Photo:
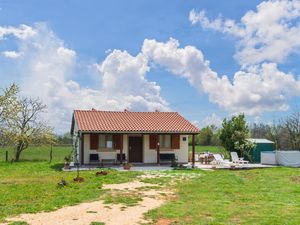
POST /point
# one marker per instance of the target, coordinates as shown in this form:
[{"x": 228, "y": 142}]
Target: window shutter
[
  {"x": 117, "y": 141},
  {"x": 153, "y": 138},
  {"x": 94, "y": 141},
  {"x": 175, "y": 141}
]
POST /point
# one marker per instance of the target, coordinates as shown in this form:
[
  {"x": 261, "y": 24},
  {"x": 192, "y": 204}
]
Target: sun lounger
[
  {"x": 236, "y": 159},
  {"x": 220, "y": 161}
]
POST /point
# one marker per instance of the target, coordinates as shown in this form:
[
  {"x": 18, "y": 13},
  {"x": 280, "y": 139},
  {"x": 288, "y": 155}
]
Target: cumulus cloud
[
  {"x": 48, "y": 66},
  {"x": 12, "y": 54},
  {"x": 124, "y": 75},
  {"x": 214, "y": 119},
  {"x": 268, "y": 34},
  {"x": 47, "y": 70},
  {"x": 252, "y": 91},
  {"x": 21, "y": 32}
]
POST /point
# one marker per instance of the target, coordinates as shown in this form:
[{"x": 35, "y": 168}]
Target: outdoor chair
[
  {"x": 94, "y": 159},
  {"x": 236, "y": 159},
  {"x": 220, "y": 161},
  {"x": 119, "y": 157}
]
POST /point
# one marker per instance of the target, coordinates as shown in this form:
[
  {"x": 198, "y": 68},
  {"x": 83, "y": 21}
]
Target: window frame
[
  {"x": 162, "y": 141},
  {"x": 106, "y": 139}
]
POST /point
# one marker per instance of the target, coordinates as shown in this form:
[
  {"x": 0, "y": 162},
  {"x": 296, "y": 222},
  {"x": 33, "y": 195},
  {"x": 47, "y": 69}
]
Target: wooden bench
[
  {"x": 167, "y": 157},
  {"x": 108, "y": 161}
]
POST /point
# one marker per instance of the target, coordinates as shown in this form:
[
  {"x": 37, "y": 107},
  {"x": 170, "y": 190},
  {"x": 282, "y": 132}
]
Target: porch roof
[{"x": 131, "y": 122}]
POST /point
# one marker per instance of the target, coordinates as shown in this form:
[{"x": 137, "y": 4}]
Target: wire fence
[{"x": 49, "y": 153}]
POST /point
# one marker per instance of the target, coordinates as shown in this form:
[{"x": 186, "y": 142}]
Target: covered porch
[{"x": 110, "y": 149}]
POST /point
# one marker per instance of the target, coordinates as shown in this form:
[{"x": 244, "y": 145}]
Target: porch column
[
  {"x": 121, "y": 149},
  {"x": 193, "y": 151},
  {"x": 82, "y": 150},
  {"x": 158, "y": 149}
]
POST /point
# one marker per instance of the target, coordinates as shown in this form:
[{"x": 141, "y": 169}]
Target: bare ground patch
[{"x": 116, "y": 212}]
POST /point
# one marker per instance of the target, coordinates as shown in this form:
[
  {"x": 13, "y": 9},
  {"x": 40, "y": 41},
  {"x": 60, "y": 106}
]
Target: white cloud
[
  {"x": 252, "y": 91},
  {"x": 213, "y": 119},
  {"x": 123, "y": 77},
  {"x": 21, "y": 32},
  {"x": 12, "y": 54},
  {"x": 196, "y": 123},
  {"x": 268, "y": 34},
  {"x": 47, "y": 70}
]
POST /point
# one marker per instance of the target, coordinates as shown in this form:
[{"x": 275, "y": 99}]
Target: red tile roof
[{"x": 140, "y": 122}]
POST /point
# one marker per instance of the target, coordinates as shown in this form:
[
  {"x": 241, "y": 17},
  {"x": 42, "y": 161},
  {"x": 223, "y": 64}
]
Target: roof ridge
[{"x": 95, "y": 110}]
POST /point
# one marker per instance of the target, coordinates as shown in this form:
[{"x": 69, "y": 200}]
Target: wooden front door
[{"x": 135, "y": 149}]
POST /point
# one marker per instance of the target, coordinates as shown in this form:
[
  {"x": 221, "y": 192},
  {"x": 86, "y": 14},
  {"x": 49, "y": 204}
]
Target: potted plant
[
  {"x": 67, "y": 162},
  {"x": 174, "y": 163},
  {"x": 127, "y": 166}
]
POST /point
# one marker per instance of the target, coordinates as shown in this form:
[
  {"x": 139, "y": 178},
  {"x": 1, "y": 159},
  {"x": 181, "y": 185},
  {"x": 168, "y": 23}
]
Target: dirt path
[{"x": 97, "y": 211}]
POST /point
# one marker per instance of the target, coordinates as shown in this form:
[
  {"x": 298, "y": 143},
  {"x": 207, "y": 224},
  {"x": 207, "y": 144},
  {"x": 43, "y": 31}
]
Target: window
[
  {"x": 101, "y": 141},
  {"x": 105, "y": 141},
  {"x": 109, "y": 141},
  {"x": 165, "y": 141}
]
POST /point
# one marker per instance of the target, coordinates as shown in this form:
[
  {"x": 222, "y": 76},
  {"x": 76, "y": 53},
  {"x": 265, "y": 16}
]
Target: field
[
  {"x": 38, "y": 153},
  {"x": 261, "y": 196},
  {"x": 213, "y": 149}
]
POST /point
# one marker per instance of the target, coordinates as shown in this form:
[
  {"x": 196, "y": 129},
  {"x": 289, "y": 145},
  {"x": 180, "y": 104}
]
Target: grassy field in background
[
  {"x": 38, "y": 153},
  {"x": 213, "y": 149}
]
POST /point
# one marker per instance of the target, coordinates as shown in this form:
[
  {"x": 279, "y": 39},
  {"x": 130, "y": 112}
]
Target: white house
[{"x": 139, "y": 137}]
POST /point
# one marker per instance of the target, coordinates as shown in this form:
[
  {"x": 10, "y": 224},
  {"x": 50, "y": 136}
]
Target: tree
[
  {"x": 205, "y": 136},
  {"x": 259, "y": 130},
  {"x": 292, "y": 125},
  {"x": 8, "y": 109},
  {"x": 27, "y": 127},
  {"x": 234, "y": 134},
  {"x": 65, "y": 139}
]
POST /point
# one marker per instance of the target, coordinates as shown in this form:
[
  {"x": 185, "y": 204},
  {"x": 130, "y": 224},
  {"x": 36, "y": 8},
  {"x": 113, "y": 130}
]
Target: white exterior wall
[
  {"x": 149, "y": 155},
  {"x": 104, "y": 154},
  {"x": 182, "y": 154}
]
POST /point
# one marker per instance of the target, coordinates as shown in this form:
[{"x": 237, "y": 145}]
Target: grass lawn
[
  {"x": 261, "y": 196},
  {"x": 31, "y": 185}
]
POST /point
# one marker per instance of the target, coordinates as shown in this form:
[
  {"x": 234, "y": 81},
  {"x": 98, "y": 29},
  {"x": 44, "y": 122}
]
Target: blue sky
[{"x": 101, "y": 46}]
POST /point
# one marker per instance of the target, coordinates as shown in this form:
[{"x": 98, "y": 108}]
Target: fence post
[
  {"x": 50, "y": 154},
  {"x": 6, "y": 156}
]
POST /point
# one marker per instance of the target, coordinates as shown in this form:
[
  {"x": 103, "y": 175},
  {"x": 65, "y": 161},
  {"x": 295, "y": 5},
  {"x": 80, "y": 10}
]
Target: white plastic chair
[
  {"x": 235, "y": 159},
  {"x": 219, "y": 159}
]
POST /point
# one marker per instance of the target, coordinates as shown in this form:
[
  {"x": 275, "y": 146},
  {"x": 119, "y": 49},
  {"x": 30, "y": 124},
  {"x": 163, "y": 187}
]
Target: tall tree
[
  {"x": 205, "y": 136},
  {"x": 28, "y": 127},
  {"x": 21, "y": 122},
  {"x": 234, "y": 134},
  {"x": 292, "y": 125},
  {"x": 8, "y": 109}
]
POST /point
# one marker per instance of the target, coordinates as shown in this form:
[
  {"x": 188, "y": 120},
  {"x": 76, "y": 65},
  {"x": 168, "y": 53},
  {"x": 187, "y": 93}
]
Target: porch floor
[
  {"x": 224, "y": 166},
  {"x": 135, "y": 167},
  {"x": 164, "y": 167}
]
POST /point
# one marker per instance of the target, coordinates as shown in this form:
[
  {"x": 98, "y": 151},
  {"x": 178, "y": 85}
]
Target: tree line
[{"x": 285, "y": 132}]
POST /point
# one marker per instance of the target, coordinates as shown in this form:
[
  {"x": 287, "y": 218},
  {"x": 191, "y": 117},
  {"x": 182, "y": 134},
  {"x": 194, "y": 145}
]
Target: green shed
[{"x": 262, "y": 145}]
